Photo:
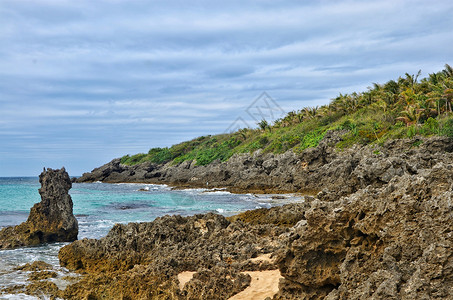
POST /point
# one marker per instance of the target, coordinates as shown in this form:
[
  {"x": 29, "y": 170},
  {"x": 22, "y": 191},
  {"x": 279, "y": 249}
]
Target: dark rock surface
[
  {"x": 392, "y": 241},
  {"x": 323, "y": 168},
  {"x": 50, "y": 220},
  {"x": 380, "y": 228}
]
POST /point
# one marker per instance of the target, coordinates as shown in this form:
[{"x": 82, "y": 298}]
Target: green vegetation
[{"x": 402, "y": 108}]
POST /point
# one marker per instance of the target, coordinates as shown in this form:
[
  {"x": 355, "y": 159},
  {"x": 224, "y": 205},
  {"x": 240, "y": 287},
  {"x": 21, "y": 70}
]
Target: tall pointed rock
[{"x": 51, "y": 220}]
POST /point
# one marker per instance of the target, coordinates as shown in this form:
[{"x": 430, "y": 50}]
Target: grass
[{"x": 404, "y": 108}]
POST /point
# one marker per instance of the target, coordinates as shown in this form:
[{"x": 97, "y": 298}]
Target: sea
[{"x": 98, "y": 206}]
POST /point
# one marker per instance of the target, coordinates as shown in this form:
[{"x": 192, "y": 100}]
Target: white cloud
[{"x": 118, "y": 75}]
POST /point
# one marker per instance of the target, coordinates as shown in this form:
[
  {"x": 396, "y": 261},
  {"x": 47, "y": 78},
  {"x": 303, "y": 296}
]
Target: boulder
[
  {"x": 50, "y": 220},
  {"x": 389, "y": 242}
]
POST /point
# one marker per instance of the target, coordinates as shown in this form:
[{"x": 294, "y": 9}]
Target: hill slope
[{"x": 401, "y": 108}]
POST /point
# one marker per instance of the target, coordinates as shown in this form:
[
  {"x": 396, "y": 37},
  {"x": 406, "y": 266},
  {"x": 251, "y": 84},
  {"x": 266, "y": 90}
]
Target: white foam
[
  {"x": 217, "y": 192},
  {"x": 18, "y": 296}
]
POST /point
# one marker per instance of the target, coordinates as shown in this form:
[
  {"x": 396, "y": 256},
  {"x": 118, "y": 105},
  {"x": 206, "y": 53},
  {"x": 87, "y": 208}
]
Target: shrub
[
  {"x": 312, "y": 139},
  {"x": 430, "y": 127},
  {"x": 447, "y": 128}
]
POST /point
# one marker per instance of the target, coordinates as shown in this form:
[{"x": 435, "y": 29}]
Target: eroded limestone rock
[
  {"x": 156, "y": 252},
  {"x": 389, "y": 242},
  {"x": 50, "y": 220}
]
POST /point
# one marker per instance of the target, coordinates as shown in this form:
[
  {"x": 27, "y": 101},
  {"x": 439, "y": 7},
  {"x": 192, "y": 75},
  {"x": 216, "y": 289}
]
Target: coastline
[
  {"x": 379, "y": 227},
  {"x": 325, "y": 171},
  {"x": 387, "y": 241}
]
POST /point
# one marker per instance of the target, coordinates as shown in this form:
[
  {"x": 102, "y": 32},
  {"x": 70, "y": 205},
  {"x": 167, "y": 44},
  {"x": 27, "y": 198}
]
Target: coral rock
[{"x": 50, "y": 220}]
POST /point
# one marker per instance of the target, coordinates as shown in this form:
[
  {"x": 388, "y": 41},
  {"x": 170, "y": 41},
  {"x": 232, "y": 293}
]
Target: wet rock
[
  {"x": 15, "y": 289},
  {"x": 38, "y": 265},
  {"x": 41, "y": 288},
  {"x": 41, "y": 275},
  {"x": 50, "y": 220}
]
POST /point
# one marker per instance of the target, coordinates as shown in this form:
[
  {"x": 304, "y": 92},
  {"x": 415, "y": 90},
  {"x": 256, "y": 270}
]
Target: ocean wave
[{"x": 217, "y": 192}]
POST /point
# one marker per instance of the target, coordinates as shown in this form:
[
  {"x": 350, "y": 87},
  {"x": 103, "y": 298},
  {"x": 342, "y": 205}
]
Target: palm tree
[
  {"x": 263, "y": 124},
  {"x": 410, "y": 116},
  {"x": 324, "y": 111},
  {"x": 411, "y": 80},
  {"x": 392, "y": 87},
  {"x": 380, "y": 105},
  {"x": 310, "y": 112},
  {"x": 448, "y": 71},
  {"x": 448, "y": 96}
]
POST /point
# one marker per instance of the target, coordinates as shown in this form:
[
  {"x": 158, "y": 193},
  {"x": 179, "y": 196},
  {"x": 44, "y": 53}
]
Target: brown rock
[
  {"x": 38, "y": 265},
  {"x": 390, "y": 242},
  {"x": 323, "y": 168},
  {"x": 50, "y": 220},
  {"x": 40, "y": 288},
  {"x": 40, "y": 275},
  {"x": 155, "y": 252}
]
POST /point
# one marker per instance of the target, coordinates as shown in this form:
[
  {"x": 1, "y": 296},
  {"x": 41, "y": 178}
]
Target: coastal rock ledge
[
  {"x": 392, "y": 241},
  {"x": 50, "y": 220}
]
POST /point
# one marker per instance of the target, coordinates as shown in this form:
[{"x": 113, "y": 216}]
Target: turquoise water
[{"x": 98, "y": 206}]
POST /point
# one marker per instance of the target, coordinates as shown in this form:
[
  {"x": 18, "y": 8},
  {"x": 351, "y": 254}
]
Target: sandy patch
[
  {"x": 264, "y": 284},
  {"x": 184, "y": 277},
  {"x": 264, "y": 257}
]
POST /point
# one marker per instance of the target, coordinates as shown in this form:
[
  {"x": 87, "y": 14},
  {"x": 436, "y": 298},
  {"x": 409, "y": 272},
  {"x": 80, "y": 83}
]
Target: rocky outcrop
[
  {"x": 38, "y": 286},
  {"x": 323, "y": 168},
  {"x": 389, "y": 242},
  {"x": 379, "y": 227},
  {"x": 50, "y": 220},
  {"x": 155, "y": 252},
  {"x": 390, "y": 239}
]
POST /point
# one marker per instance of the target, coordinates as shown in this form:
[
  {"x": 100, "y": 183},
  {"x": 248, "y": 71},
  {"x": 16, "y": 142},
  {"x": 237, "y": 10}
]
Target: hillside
[{"x": 401, "y": 108}]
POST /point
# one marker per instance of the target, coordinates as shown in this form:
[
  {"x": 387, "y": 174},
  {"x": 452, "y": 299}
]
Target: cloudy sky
[{"x": 83, "y": 82}]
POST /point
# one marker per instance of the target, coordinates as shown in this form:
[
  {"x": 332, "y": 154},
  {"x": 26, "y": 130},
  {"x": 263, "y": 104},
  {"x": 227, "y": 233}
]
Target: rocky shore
[
  {"x": 377, "y": 226},
  {"x": 388, "y": 234},
  {"x": 50, "y": 220},
  {"x": 323, "y": 168}
]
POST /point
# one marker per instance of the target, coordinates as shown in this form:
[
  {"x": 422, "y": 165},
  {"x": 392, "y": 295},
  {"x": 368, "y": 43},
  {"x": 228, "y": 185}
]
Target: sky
[{"x": 83, "y": 82}]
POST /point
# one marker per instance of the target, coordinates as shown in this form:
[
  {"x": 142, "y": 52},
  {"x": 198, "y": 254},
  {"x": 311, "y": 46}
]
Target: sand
[
  {"x": 264, "y": 284},
  {"x": 184, "y": 277}
]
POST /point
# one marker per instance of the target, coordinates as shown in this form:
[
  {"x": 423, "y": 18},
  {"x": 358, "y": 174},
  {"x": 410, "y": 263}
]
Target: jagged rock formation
[
  {"x": 142, "y": 260},
  {"x": 321, "y": 168},
  {"x": 390, "y": 242},
  {"x": 50, "y": 220},
  {"x": 380, "y": 227}
]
